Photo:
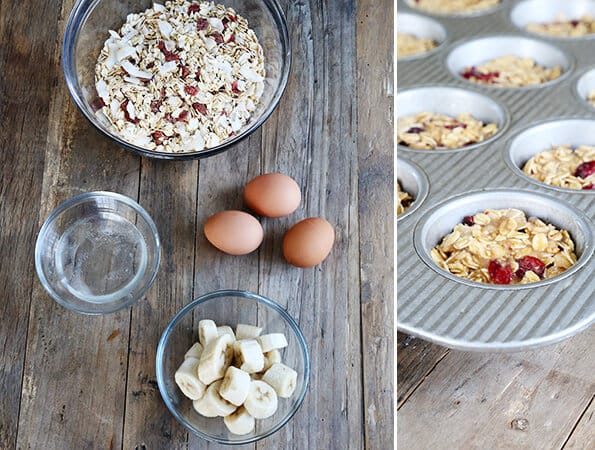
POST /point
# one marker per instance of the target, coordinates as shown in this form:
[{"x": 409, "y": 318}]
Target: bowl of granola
[{"x": 178, "y": 80}]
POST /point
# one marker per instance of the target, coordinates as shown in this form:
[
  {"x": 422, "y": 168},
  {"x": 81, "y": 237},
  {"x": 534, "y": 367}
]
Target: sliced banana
[
  {"x": 270, "y": 358},
  {"x": 187, "y": 379},
  {"x": 272, "y": 341},
  {"x": 207, "y": 330},
  {"x": 226, "y": 330},
  {"x": 244, "y": 331},
  {"x": 235, "y": 386},
  {"x": 212, "y": 404},
  {"x": 261, "y": 401},
  {"x": 215, "y": 359},
  {"x": 194, "y": 352},
  {"x": 282, "y": 378},
  {"x": 249, "y": 356},
  {"x": 240, "y": 421}
]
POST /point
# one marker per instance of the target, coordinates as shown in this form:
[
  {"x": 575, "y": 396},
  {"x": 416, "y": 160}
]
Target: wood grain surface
[{"x": 70, "y": 381}]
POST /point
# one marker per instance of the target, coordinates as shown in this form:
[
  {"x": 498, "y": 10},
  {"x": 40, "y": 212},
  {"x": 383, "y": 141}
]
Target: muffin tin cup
[
  {"x": 451, "y": 101},
  {"x": 542, "y": 136},
  {"x": 478, "y": 50},
  {"x": 462, "y": 15},
  {"x": 441, "y": 219},
  {"x": 584, "y": 86},
  {"x": 422, "y": 27},
  {"x": 414, "y": 181},
  {"x": 544, "y": 11}
]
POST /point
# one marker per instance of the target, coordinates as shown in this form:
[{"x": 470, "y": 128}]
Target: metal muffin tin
[{"x": 433, "y": 304}]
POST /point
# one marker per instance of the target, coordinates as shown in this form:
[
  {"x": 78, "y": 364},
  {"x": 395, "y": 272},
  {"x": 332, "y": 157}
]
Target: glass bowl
[
  {"x": 87, "y": 30},
  {"x": 229, "y": 307},
  {"x": 97, "y": 253}
]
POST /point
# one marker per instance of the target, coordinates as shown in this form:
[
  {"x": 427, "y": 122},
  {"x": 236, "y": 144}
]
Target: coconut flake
[
  {"x": 102, "y": 90},
  {"x": 124, "y": 51},
  {"x": 132, "y": 80},
  {"x": 250, "y": 75},
  {"x": 168, "y": 67},
  {"x": 157, "y": 7},
  {"x": 134, "y": 71},
  {"x": 131, "y": 110},
  {"x": 210, "y": 44},
  {"x": 165, "y": 28},
  {"x": 216, "y": 23}
]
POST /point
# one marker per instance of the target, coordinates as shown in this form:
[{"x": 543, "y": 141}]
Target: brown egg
[
  {"x": 234, "y": 232},
  {"x": 272, "y": 195},
  {"x": 308, "y": 242}
]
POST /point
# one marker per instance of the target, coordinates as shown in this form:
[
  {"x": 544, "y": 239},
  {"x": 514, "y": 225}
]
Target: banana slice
[
  {"x": 261, "y": 401},
  {"x": 212, "y": 404},
  {"x": 194, "y": 352},
  {"x": 244, "y": 331},
  {"x": 249, "y": 356},
  {"x": 270, "y": 358},
  {"x": 240, "y": 421},
  {"x": 272, "y": 341},
  {"x": 207, "y": 330},
  {"x": 226, "y": 330},
  {"x": 235, "y": 386},
  {"x": 282, "y": 378},
  {"x": 215, "y": 359},
  {"x": 187, "y": 379}
]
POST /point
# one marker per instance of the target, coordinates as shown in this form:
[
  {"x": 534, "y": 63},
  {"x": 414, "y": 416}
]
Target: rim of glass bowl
[
  {"x": 77, "y": 18},
  {"x": 76, "y": 200},
  {"x": 231, "y": 293}
]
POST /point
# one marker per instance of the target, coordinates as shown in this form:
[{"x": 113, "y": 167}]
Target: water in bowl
[{"x": 100, "y": 258}]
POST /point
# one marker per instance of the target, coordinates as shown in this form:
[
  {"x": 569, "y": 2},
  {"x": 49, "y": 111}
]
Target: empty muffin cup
[
  {"x": 478, "y": 51},
  {"x": 543, "y": 136},
  {"x": 452, "y": 101},
  {"x": 414, "y": 181},
  {"x": 420, "y": 27},
  {"x": 531, "y": 12},
  {"x": 441, "y": 219},
  {"x": 585, "y": 88}
]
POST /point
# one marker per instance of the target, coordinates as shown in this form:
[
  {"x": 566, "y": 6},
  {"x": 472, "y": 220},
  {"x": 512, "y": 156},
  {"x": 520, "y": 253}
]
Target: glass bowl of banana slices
[{"x": 233, "y": 367}]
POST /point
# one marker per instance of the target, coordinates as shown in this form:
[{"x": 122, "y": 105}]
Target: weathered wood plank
[
  {"x": 416, "y": 358},
  {"x": 520, "y": 400},
  {"x": 312, "y": 138},
  {"x": 72, "y": 394},
  {"x": 375, "y": 122},
  {"x": 582, "y": 437},
  {"x": 24, "y": 106},
  {"x": 168, "y": 192}
]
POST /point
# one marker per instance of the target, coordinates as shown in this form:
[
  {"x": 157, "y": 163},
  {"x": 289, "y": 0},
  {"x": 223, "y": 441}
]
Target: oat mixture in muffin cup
[
  {"x": 564, "y": 167},
  {"x": 180, "y": 77},
  {"x": 591, "y": 98},
  {"x": 563, "y": 27},
  {"x": 454, "y": 6},
  {"x": 503, "y": 246},
  {"x": 409, "y": 45},
  {"x": 404, "y": 200},
  {"x": 431, "y": 131},
  {"x": 511, "y": 71}
]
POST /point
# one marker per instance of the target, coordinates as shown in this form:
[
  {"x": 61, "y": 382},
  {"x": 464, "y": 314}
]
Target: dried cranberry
[
  {"x": 469, "y": 220},
  {"x": 151, "y": 65},
  {"x": 162, "y": 92},
  {"x": 232, "y": 18},
  {"x": 97, "y": 104},
  {"x": 169, "y": 118},
  {"x": 161, "y": 46},
  {"x": 474, "y": 73},
  {"x": 193, "y": 8},
  {"x": 155, "y": 105},
  {"x": 185, "y": 71},
  {"x": 123, "y": 106},
  {"x": 589, "y": 186},
  {"x": 197, "y": 74},
  {"x": 191, "y": 90},
  {"x": 158, "y": 137},
  {"x": 415, "y": 130},
  {"x": 200, "y": 107},
  {"x": 499, "y": 274},
  {"x": 574, "y": 23},
  {"x": 234, "y": 87},
  {"x": 201, "y": 24},
  {"x": 172, "y": 57},
  {"x": 232, "y": 38},
  {"x": 585, "y": 169},
  {"x": 456, "y": 125},
  {"x": 531, "y": 263},
  {"x": 182, "y": 116},
  {"x": 217, "y": 37}
]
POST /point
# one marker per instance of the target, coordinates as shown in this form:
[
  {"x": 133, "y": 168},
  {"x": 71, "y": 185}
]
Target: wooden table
[
  {"x": 540, "y": 399},
  {"x": 70, "y": 381}
]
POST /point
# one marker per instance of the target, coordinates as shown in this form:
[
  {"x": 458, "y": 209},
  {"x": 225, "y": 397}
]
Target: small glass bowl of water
[{"x": 97, "y": 253}]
